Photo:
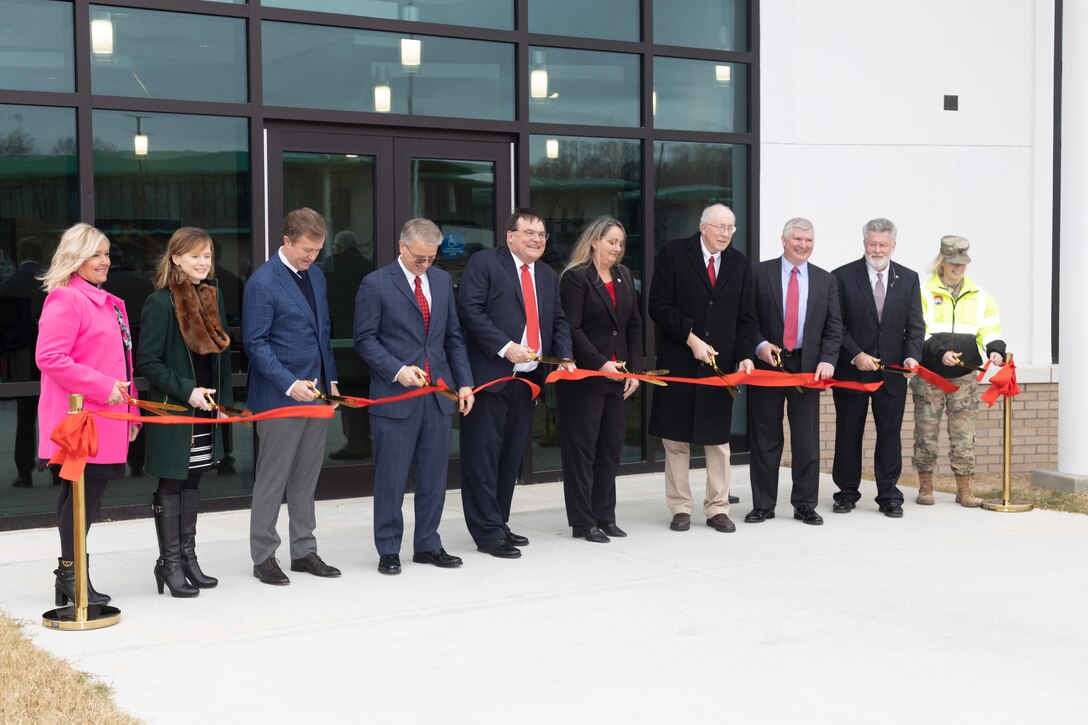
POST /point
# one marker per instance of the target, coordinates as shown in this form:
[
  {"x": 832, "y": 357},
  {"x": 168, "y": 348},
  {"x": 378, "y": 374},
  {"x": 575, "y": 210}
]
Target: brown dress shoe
[
  {"x": 680, "y": 522},
  {"x": 721, "y": 522}
]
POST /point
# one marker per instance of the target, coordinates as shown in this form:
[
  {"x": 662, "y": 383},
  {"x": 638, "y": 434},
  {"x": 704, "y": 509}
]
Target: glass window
[
  {"x": 185, "y": 171},
  {"x": 497, "y": 14},
  {"x": 36, "y": 52},
  {"x": 386, "y": 72},
  {"x": 688, "y": 177},
  {"x": 603, "y": 19},
  {"x": 721, "y": 25},
  {"x": 700, "y": 95},
  {"x": 572, "y": 181},
  {"x": 583, "y": 87},
  {"x": 39, "y": 199},
  {"x": 152, "y": 54}
]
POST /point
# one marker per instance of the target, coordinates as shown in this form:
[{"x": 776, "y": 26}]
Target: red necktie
[
  {"x": 426, "y": 310},
  {"x": 532, "y": 324},
  {"x": 793, "y": 295},
  {"x": 710, "y": 272}
]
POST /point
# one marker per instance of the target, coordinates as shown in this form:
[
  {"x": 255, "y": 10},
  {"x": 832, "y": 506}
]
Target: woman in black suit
[{"x": 598, "y": 296}]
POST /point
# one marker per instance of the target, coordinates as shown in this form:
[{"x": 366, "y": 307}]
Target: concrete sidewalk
[{"x": 945, "y": 614}]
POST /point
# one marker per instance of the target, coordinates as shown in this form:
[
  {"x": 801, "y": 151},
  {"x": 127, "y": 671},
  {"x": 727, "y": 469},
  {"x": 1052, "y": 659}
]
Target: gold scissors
[
  {"x": 712, "y": 354},
  {"x": 239, "y": 412},
  {"x": 776, "y": 358},
  {"x": 330, "y": 399},
  {"x": 622, "y": 367}
]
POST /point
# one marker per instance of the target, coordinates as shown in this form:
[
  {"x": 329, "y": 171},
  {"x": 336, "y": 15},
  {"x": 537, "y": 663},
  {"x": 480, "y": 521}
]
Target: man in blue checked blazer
[
  {"x": 407, "y": 331},
  {"x": 285, "y": 329}
]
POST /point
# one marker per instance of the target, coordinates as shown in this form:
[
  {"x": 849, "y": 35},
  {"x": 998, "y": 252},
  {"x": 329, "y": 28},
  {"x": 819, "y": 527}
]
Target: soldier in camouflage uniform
[{"x": 961, "y": 320}]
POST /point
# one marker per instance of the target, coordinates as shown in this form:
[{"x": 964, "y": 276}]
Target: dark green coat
[{"x": 165, "y": 360}]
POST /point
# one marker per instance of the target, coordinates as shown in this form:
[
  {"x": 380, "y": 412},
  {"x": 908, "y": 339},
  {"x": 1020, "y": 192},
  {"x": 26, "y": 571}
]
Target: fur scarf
[{"x": 198, "y": 316}]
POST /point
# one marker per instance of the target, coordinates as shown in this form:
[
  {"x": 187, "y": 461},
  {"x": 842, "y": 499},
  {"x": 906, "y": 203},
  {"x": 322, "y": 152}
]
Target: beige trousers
[{"x": 677, "y": 488}]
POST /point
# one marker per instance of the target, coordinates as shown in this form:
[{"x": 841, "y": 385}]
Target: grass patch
[
  {"x": 36, "y": 687},
  {"x": 990, "y": 487}
]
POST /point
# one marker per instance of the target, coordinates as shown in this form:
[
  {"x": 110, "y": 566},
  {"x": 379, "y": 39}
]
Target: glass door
[{"x": 366, "y": 187}]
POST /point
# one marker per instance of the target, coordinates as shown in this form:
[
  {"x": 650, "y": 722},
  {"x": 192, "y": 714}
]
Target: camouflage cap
[{"x": 954, "y": 249}]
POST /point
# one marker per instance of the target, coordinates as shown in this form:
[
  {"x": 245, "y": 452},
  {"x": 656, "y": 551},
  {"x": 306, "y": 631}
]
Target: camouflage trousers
[{"x": 930, "y": 402}]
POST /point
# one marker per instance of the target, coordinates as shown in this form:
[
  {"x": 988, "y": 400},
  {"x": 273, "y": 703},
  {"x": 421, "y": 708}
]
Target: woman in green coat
[{"x": 184, "y": 353}]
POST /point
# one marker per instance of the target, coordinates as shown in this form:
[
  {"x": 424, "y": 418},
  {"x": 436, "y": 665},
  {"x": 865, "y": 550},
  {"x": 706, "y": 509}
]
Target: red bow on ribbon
[
  {"x": 1003, "y": 383},
  {"x": 77, "y": 436}
]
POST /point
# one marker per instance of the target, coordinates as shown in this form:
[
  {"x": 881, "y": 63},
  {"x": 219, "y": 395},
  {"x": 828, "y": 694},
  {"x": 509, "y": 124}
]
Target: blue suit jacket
[
  {"x": 389, "y": 335},
  {"x": 492, "y": 313},
  {"x": 283, "y": 340}
]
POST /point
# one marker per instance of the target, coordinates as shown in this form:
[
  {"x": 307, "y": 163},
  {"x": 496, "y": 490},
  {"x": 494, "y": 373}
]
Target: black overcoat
[{"x": 682, "y": 301}]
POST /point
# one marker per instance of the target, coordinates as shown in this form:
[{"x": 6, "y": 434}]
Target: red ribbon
[
  {"x": 77, "y": 436},
  {"x": 1003, "y": 383},
  {"x": 934, "y": 379},
  {"x": 760, "y": 378}
]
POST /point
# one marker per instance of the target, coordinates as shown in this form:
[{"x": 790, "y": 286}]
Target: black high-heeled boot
[
  {"x": 168, "y": 571},
  {"x": 190, "y": 507},
  {"x": 65, "y": 586}
]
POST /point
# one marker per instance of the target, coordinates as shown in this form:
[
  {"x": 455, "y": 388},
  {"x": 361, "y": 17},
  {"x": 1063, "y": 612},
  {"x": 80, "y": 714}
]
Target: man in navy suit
[
  {"x": 881, "y": 307},
  {"x": 798, "y": 308},
  {"x": 510, "y": 311},
  {"x": 406, "y": 329},
  {"x": 286, "y": 332}
]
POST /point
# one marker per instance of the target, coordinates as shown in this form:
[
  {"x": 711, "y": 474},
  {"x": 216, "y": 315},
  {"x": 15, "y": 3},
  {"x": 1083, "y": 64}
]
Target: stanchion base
[
  {"x": 1006, "y": 506},
  {"x": 64, "y": 618}
]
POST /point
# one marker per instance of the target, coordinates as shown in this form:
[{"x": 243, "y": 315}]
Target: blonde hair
[
  {"x": 182, "y": 241},
  {"x": 78, "y": 244},
  {"x": 583, "y": 248}
]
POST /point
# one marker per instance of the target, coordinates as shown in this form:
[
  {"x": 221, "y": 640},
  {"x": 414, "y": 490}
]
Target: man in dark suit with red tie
[
  {"x": 510, "y": 312},
  {"x": 406, "y": 329},
  {"x": 882, "y": 317},
  {"x": 798, "y": 304}
]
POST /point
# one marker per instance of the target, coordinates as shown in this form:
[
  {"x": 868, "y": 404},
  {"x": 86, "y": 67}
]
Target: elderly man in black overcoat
[{"x": 702, "y": 301}]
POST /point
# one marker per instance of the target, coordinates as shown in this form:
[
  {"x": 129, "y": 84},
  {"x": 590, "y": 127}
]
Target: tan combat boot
[
  {"x": 963, "y": 492},
  {"x": 925, "y": 488}
]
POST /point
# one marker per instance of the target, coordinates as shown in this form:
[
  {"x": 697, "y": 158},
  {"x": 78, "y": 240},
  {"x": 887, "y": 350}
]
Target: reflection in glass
[
  {"x": 341, "y": 187},
  {"x": 496, "y": 14},
  {"x": 586, "y": 178},
  {"x": 584, "y": 87},
  {"x": 700, "y": 95},
  {"x": 458, "y": 78},
  {"x": 688, "y": 177},
  {"x": 38, "y": 201},
  {"x": 153, "y": 54},
  {"x": 36, "y": 46},
  {"x": 601, "y": 19},
  {"x": 458, "y": 196},
  {"x": 722, "y": 24}
]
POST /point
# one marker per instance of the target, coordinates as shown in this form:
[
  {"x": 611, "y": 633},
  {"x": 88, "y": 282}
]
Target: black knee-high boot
[
  {"x": 167, "y": 527},
  {"x": 190, "y": 507}
]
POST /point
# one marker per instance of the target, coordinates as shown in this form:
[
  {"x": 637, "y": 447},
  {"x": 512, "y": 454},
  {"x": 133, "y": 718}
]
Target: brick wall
[{"x": 1034, "y": 433}]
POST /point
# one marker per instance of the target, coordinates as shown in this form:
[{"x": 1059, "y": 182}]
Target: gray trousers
[{"x": 289, "y": 460}]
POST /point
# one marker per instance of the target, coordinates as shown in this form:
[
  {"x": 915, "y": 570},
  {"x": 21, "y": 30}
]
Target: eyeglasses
[
  {"x": 417, "y": 258},
  {"x": 723, "y": 228},
  {"x": 531, "y": 234}
]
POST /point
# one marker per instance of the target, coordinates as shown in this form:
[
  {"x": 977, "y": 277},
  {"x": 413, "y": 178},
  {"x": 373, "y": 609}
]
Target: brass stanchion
[
  {"x": 1006, "y": 504},
  {"x": 79, "y": 615}
]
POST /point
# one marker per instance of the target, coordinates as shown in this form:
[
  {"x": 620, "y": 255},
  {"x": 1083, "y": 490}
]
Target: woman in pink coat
[{"x": 84, "y": 347}]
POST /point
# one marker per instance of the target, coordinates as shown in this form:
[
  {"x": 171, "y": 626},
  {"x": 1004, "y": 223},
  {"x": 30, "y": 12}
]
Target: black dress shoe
[
  {"x": 734, "y": 499},
  {"x": 501, "y": 548},
  {"x": 313, "y": 564},
  {"x": 343, "y": 454},
  {"x": 438, "y": 557},
  {"x": 680, "y": 522},
  {"x": 23, "y": 482},
  {"x": 269, "y": 572},
  {"x": 516, "y": 539},
  {"x": 893, "y": 510},
  {"x": 721, "y": 522},
  {"x": 592, "y": 533},
  {"x": 758, "y": 516},
  {"x": 613, "y": 530},
  {"x": 843, "y": 507},
  {"x": 389, "y": 564},
  {"x": 808, "y": 515}
]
